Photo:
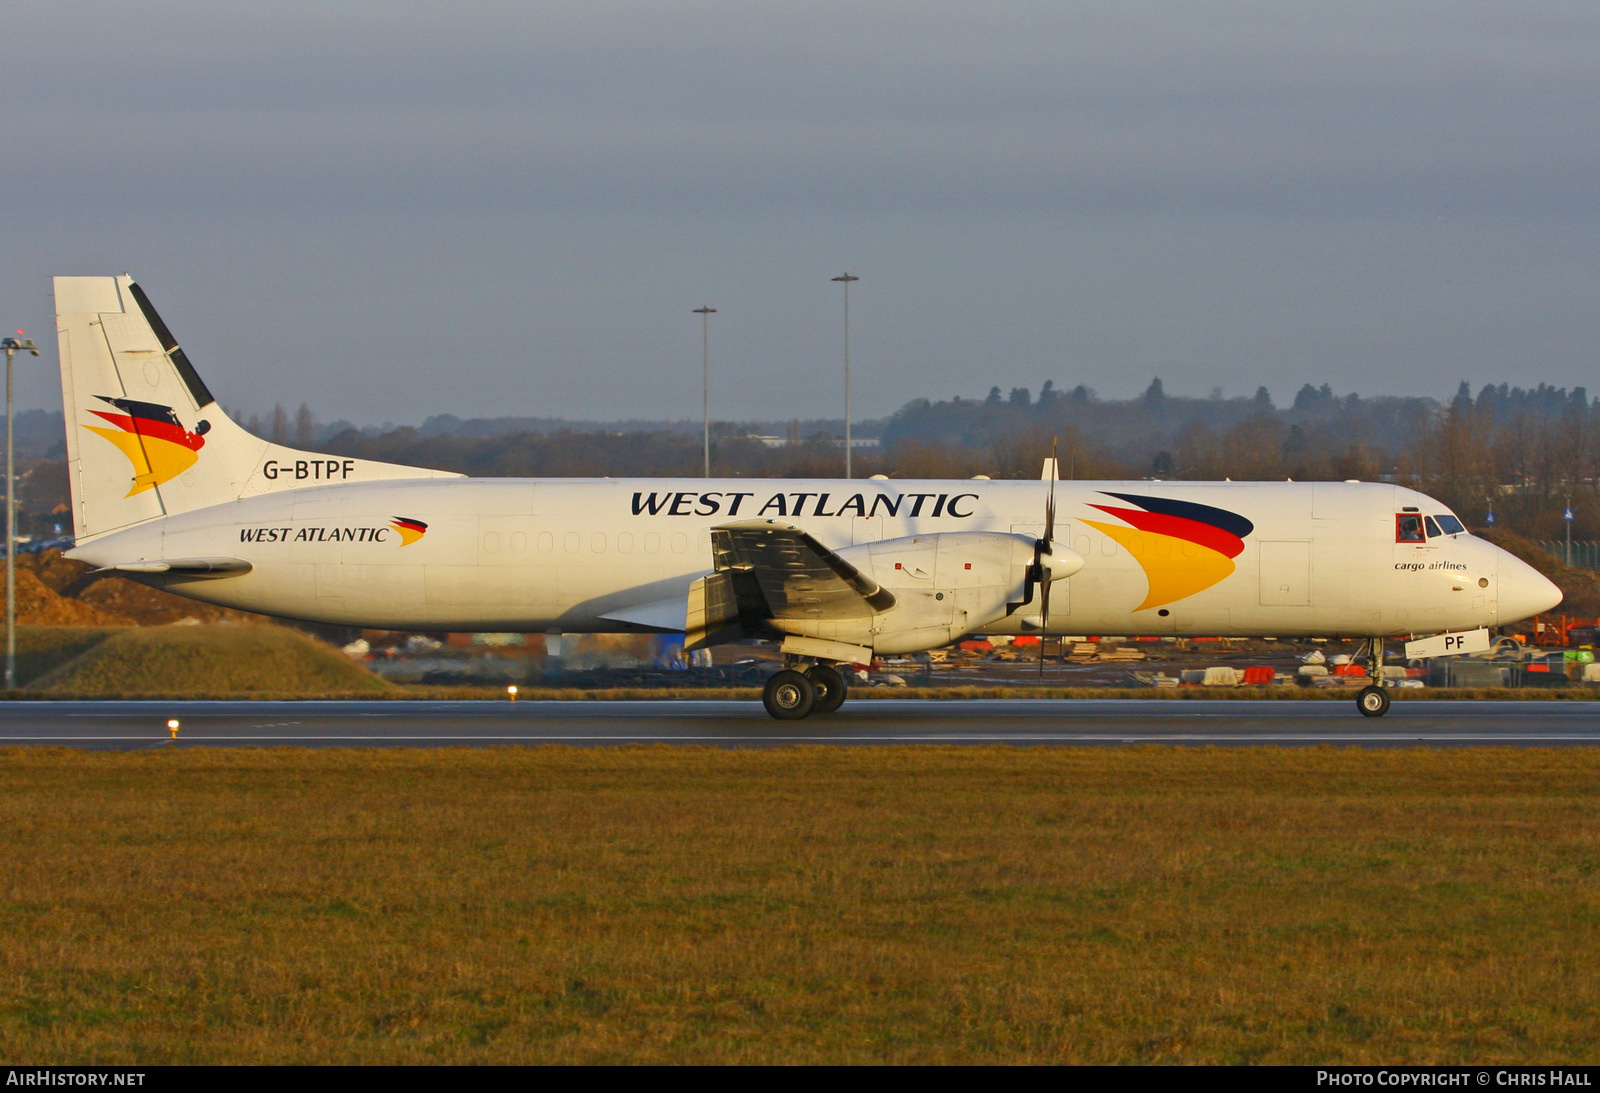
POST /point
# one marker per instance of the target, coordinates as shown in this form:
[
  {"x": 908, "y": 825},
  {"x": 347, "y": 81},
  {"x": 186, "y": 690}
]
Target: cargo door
[
  {"x": 866, "y": 529},
  {"x": 1286, "y": 574}
]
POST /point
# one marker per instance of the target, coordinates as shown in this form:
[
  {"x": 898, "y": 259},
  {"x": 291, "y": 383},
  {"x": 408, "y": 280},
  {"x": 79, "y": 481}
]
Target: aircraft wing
[
  {"x": 764, "y": 571},
  {"x": 797, "y": 576},
  {"x": 663, "y": 616},
  {"x": 769, "y": 571}
]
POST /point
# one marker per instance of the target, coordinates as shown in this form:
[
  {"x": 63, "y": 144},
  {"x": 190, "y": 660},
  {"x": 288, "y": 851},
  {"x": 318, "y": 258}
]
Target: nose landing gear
[{"x": 1373, "y": 701}]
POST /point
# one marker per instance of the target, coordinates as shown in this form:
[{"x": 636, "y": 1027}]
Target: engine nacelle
[{"x": 945, "y": 586}]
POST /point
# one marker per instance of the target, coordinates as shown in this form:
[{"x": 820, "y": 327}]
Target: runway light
[
  {"x": 172, "y": 727},
  {"x": 511, "y": 692}
]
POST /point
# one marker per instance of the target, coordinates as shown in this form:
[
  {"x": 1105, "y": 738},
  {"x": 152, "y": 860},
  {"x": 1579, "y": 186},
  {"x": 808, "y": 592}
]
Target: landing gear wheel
[
  {"x": 829, "y": 685},
  {"x": 789, "y": 696},
  {"x": 1372, "y": 701}
]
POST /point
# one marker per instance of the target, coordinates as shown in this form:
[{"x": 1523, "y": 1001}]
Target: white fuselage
[{"x": 564, "y": 554}]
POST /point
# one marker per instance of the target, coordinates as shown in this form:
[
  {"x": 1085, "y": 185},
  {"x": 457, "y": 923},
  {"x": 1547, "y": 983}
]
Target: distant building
[{"x": 784, "y": 442}]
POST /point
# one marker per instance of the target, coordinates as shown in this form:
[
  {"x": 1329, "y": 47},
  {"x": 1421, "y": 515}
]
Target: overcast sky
[{"x": 394, "y": 210}]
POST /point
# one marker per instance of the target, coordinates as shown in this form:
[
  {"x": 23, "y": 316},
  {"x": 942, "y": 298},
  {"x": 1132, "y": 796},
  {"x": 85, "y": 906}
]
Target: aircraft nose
[{"x": 1524, "y": 591}]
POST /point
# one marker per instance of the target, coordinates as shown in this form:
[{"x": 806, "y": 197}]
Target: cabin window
[
  {"x": 1433, "y": 528},
  {"x": 547, "y": 542},
  {"x": 597, "y": 542},
  {"x": 1450, "y": 524},
  {"x": 570, "y": 541},
  {"x": 1408, "y": 528},
  {"x": 625, "y": 543},
  {"x": 652, "y": 543}
]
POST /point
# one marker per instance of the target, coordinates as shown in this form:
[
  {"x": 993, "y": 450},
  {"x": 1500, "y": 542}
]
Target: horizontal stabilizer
[{"x": 183, "y": 567}]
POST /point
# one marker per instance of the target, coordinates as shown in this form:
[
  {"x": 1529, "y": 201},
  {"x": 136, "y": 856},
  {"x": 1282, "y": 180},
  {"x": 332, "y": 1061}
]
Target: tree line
[
  {"x": 1520, "y": 453},
  {"x": 1517, "y": 452}
]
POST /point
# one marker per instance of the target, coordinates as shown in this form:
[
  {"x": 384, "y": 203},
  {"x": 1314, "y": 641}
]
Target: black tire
[
  {"x": 829, "y": 685},
  {"x": 789, "y": 696},
  {"x": 1372, "y": 701}
]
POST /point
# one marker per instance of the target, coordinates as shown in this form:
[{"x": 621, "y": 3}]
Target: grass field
[
  {"x": 44, "y": 649},
  {"x": 225, "y": 660},
  {"x": 800, "y": 905}
]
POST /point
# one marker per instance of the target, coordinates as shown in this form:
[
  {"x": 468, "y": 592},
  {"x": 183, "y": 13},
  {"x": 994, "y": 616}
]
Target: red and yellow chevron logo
[
  {"x": 1183, "y": 547},
  {"x": 410, "y": 530},
  {"x": 152, "y": 438}
]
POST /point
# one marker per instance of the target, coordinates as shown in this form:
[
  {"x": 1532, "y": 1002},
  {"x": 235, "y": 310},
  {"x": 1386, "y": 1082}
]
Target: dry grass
[
  {"x": 43, "y": 649},
  {"x": 233, "y": 661},
  {"x": 535, "y": 693},
  {"x": 800, "y": 905},
  {"x": 1271, "y": 694}
]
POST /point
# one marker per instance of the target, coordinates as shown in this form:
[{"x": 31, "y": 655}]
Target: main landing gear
[
  {"x": 829, "y": 685},
  {"x": 797, "y": 693},
  {"x": 1373, "y": 701}
]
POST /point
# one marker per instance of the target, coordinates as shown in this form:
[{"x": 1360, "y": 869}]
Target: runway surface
[{"x": 129, "y": 725}]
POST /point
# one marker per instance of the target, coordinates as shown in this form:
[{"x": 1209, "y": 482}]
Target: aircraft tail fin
[{"x": 145, "y": 437}]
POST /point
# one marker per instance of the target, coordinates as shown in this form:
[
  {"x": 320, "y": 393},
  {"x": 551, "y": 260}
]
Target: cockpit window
[
  {"x": 1433, "y": 528},
  {"x": 1450, "y": 524},
  {"x": 1408, "y": 528}
]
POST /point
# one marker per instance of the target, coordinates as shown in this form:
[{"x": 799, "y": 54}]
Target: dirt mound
[
  {"x": 40, "y": 605},
  {"x": 43, "y": 649},
  {"x": 216, "y": 660}
]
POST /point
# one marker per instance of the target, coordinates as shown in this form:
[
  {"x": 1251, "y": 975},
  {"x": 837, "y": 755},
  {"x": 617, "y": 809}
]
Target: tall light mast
[
  {"x": 846, "y": 279},
  {"x": 705, "y": 314}
]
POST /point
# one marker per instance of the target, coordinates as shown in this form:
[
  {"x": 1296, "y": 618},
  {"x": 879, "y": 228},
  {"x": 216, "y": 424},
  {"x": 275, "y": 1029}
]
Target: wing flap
[{"x": 797, "y": 576}]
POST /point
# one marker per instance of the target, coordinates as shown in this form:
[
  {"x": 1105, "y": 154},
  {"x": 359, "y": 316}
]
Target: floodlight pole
[
  {"x": 11, "y": 345},
  {"x": 705, "y": 314},
  {"x": 846, "y": 278}
]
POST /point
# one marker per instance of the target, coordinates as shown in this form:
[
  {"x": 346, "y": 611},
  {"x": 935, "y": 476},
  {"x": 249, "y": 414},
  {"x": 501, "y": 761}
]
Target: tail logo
[
  {"x": 152, "y": 438},
  {"x": 410, "y": 530},
  {"x": 1183, "y": 547}
]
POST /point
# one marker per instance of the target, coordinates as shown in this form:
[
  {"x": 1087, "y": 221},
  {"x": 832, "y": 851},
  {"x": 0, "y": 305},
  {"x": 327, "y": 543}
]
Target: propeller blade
[
  {"x": 1041, "y": 546},
  {"x": 1050, "y": 500}
]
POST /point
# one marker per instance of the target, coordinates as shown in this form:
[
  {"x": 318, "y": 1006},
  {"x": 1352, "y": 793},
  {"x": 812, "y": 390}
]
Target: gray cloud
[{"x": 1389, "y": 197}]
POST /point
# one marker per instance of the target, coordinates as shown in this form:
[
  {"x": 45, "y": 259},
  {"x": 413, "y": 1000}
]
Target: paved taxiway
[{"x": 125, "y": 725}]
